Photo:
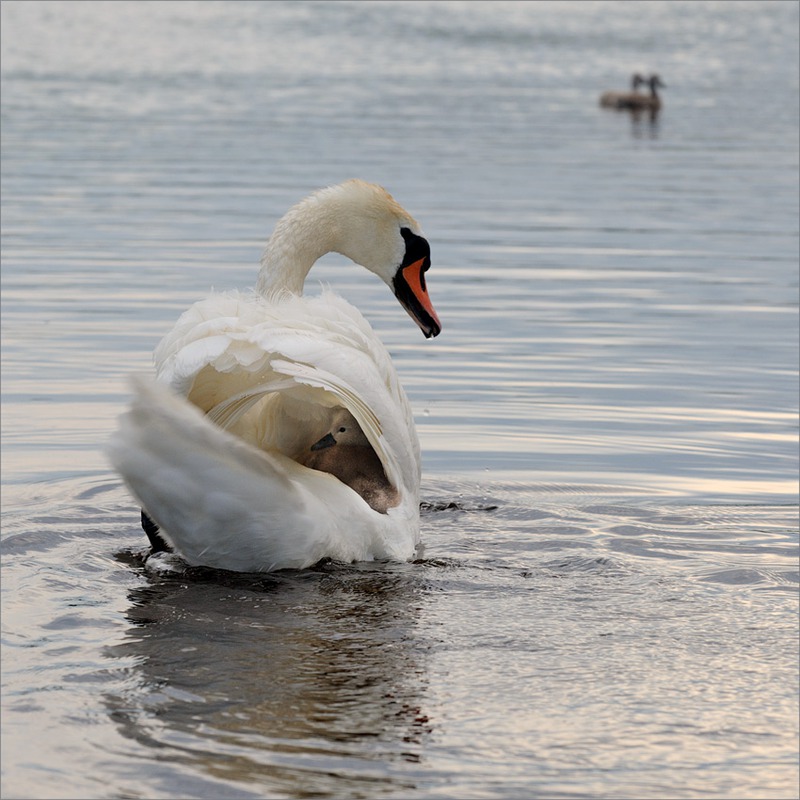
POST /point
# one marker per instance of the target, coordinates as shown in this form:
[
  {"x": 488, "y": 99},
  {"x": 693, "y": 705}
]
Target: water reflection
[
  {"x": 290, "y": 680},
  {"x": 644, "y": 121},
  {"x": 644, "y": 124}
]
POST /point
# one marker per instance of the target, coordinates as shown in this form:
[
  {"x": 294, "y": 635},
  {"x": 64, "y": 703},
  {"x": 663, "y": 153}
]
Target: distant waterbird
[
  {"x": 636, "y": 100},
  {"x": 617, "y": 99}
]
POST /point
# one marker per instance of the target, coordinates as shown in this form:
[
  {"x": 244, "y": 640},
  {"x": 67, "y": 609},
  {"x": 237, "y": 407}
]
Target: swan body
[{"x": 218, "y": 449}]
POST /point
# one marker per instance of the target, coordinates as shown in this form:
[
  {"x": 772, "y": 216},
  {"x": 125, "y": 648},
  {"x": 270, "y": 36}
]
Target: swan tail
[{"x": 215, "y": 498}]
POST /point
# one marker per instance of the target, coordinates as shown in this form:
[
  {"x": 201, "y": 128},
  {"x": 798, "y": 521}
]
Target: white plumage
[{"x": 248, "y": 382}]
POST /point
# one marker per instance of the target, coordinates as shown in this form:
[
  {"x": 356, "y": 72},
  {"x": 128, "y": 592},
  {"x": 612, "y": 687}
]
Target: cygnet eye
[{"x": 342, "y": 430}]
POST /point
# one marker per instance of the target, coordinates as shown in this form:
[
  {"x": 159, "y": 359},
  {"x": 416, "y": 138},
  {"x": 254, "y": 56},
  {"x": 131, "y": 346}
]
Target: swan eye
[{"x": 342, "y": 430}]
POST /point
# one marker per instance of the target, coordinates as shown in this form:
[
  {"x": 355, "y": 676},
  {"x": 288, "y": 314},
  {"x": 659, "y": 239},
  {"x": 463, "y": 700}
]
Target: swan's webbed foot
[{"x": 156, "y": 540}]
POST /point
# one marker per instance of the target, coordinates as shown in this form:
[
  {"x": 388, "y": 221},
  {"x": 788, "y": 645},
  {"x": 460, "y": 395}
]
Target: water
[{"x": 607, "y": 601}]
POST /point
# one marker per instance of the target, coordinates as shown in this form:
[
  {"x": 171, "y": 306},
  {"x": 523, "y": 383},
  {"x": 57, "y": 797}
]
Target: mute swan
[{"x": 217, "y": 450}]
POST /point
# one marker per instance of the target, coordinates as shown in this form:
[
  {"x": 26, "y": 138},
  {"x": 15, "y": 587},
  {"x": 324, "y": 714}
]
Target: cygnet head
[{"x": 345, "y": 431}]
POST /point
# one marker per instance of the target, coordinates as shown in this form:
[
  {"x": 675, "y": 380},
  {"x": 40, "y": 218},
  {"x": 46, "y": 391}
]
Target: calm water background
[{"x": 617, "y": 375}]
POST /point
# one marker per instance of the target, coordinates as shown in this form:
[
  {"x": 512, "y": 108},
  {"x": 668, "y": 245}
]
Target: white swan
[{"x": 247, "y": 383}]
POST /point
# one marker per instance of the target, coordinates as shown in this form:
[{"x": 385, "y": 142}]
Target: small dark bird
[
  {"x": 635, "y": 100},
  {"x": 345, "y": 453},
  {"x": 614, "y": 99}
]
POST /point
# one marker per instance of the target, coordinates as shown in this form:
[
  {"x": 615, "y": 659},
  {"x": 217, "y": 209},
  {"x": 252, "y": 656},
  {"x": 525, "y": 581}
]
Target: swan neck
[{"x": 304, "y": 234}]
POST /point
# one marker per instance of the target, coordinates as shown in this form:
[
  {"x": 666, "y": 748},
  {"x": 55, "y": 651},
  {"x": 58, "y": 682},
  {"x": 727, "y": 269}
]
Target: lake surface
[{"x": 607, "y": 602}]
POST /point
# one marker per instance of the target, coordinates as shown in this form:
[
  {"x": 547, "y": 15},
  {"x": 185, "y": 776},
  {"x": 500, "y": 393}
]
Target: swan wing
[
  {"x": 223, "y": 503},
  {"x": 273, "y": 373}
]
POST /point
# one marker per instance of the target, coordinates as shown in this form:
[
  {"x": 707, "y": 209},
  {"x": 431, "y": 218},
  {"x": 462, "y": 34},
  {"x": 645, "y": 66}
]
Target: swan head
[
  {"x": 364, "y": 223},
  {"x": 380, "y": 235}
]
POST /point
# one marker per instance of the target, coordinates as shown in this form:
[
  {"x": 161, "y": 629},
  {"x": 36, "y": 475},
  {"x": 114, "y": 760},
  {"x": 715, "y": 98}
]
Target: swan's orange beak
[{"x": 410, "y": 290}]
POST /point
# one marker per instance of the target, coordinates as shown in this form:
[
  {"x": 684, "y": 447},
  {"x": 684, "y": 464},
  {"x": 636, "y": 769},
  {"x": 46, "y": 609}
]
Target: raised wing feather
[{"x": 272, "y": 374}]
